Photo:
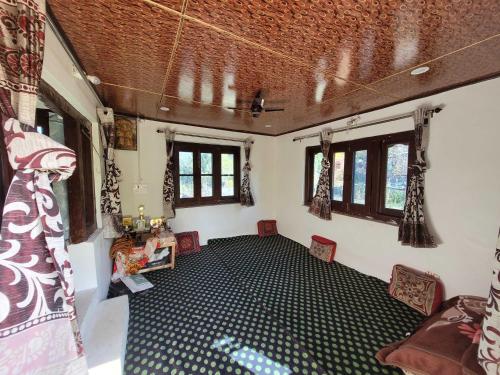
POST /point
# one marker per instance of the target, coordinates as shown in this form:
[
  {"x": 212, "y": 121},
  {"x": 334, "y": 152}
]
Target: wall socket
[{"x": 140, "y": 188}]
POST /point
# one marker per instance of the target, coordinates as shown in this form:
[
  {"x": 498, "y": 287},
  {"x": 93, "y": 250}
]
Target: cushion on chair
[
  {"x": 445, "y": 344},
  {"x": 323, "y": 248},
  {"x": 267, "y": 228},
  {"x": 419, "y": 290},
  {"x": 187, "y": 243}
]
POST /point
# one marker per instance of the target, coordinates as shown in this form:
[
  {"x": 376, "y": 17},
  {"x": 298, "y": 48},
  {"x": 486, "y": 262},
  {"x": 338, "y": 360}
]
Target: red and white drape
[
  {"x": 38, "y": 329},
  {"x": 489, "y": 344},
  {"x": 321, "y": 202}
]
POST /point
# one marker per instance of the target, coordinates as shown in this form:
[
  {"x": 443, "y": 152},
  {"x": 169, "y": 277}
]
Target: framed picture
[{"x": 126, "y": 134}]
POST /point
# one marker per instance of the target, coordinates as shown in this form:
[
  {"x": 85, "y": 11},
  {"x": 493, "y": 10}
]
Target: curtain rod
[
  {"x": 206, "y": 136},
  {"x": 370, "y": 123}
]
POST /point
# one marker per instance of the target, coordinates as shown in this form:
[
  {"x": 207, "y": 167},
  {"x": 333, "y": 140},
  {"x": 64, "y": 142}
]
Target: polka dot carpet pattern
[
  {"x": 198, "y": 320},
  {"x": 246, "y": 305},
  {"x": 341, "y": 316}
]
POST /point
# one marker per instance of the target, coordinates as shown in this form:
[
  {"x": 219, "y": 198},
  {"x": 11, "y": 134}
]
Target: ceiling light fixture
[
  {"x": 94, "y": 80},
  {"x": 267, "y": 126},
  {"x": 420, "y": 70},
  {"x": 164, "y": 109}
]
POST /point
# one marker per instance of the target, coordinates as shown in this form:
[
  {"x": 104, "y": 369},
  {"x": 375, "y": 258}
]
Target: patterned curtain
[
  {"x": 246, "y": 197},
  {"x": 168, "y": 181},
  {"x": 321, "y": 203},
  {"x": 489, "y": 344},
  {"x": 111, "y": 206},
  {"x": 413, "y": 229},
  {"x": 38, "y": 327}
]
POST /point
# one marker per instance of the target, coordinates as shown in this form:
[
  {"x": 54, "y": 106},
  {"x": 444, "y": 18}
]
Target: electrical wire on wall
[{"x": 139, "y": 174}]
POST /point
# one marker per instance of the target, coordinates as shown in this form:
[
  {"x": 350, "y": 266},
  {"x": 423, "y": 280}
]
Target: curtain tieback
[{"x": 247, "y": 167}]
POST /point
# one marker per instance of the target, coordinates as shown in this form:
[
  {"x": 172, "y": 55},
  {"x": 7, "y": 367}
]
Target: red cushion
[
  {"x": 267, "y": 228},
  {"x": 323, "y": 248},
  {"x": 323, "y": 240},
  {"x": 417, "y": 289},
  {"x": 187, "y": 243}
]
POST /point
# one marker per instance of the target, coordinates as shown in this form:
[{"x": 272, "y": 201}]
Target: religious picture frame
[{"x": 126, "y": 133}]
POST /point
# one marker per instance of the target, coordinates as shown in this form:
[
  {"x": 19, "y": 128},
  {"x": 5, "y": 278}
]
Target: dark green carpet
[
  {"x": 341, "y": 316},
  {"x": 246, "y": 305},
  {"x": 198, "y": 320}
]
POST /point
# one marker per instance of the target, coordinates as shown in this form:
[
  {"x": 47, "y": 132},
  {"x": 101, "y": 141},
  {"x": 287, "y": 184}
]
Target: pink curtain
[{"x": 38, "y": 329}]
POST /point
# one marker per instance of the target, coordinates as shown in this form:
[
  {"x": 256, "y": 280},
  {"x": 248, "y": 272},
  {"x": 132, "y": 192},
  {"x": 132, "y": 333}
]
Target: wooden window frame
[
  {"x": 377, "y": 148},
  {"x": 216, "y": 151},
  {"x": 391, "y": 139}
]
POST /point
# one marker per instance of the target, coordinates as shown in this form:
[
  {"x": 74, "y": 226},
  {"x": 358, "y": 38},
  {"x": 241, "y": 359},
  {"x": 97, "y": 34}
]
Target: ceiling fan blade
[
  {"x": 274, "y": 109},
  {"x": 239, "y": 108},
  {"x": 276, "y": 101}
]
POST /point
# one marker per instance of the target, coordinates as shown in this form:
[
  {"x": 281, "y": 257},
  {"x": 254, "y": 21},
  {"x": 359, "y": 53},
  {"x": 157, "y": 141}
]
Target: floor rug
[
  {"x": 199, "y": 320},
  {"x": 341, "y": 316}
]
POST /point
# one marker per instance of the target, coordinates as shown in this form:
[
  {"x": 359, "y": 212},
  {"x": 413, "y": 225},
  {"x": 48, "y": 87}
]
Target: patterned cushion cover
[
  {"x": 445, "y": 344},
  {"x": 267, "y": 228},
  {"x": 322, "y": 248},
  {"x": 417, "y": 289},
  {"x": 187, "y": 243}
]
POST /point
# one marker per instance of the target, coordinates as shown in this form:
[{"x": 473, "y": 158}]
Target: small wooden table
[{"x": 171, "y": 264}]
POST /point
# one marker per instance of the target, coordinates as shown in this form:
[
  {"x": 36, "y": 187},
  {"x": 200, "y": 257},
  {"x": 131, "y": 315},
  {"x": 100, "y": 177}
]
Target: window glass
[
  {"x": 186, "y": 186},
  {"x": 396, "y": 176},
  {"x": 60, "y": 188},
  {"x": 206, "y": 162},
  {"x": 185, "y": 162},
  {"x": 227, "y": 175},
  {"x": 227, "y": 186},
  {"x": 338, "y": 176},
  {"x": 316, "y": 170},
  {"x": 359, "y": 177},
  {"x": 206, "y": 168},
  {"x": 227, "y": 164}
]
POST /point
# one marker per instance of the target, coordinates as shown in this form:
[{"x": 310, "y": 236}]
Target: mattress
[
  {"x": 341, "y": 316},
  {"x": 250, "y": 305}
]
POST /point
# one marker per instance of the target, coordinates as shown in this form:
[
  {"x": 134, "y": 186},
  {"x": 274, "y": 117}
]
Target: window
[
  {"x": 369, "y": 176},
  {"x": 206, "y": 174},
  {"x": 57, "y": 119}
]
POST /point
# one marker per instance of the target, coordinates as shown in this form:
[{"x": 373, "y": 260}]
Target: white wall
[
  {"x": 210, "y": 221},
  {"x": 462, "y": 193}
]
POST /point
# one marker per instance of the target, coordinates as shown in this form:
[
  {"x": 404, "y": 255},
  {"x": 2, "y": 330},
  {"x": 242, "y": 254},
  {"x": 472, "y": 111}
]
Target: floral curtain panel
[
  {"x": 38, "y": 328},
  {"x": 111, "y": 206},
  {"x": 489, "y": 344},
  {"x": 413, "y": 228},
  {"x": 246, "y": 197},
  {"x": 321, "y": 202},
  {"x": 168, "y": 181}
]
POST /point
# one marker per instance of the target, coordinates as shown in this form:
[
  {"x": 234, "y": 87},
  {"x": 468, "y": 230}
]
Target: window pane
[
  {"x": 206, "y": 186},
  {"x": 227, "y": 164},
  {"x": 185, "y": 162},
  {"x": 186, "y": 187},
  {"x": 338, "y": 176},
  {"x": 359, "y": 178},
  {"x": 397, "y": 171},
  {"x": 227, "y": 186},
  {"x": 206, "y": 163},
  {"x": 316, "y": 170}
]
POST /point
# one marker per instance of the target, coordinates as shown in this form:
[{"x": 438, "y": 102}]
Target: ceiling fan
[{"x": 257, "y": 106}]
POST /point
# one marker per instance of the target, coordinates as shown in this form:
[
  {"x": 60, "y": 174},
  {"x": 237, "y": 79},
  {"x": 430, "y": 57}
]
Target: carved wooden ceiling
[{"x": 321, "y": 59}]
